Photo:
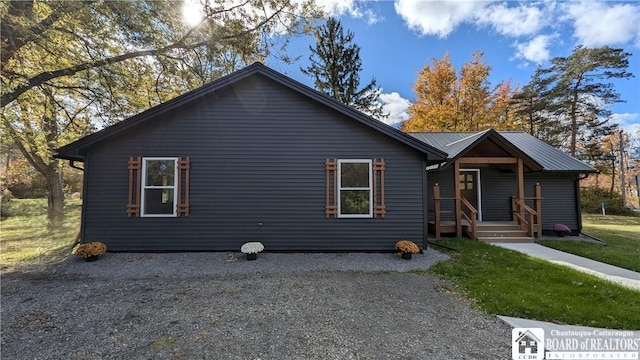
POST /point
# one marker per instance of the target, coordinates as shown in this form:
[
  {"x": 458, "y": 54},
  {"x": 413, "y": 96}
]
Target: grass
[
  {"x": 620, "y": 233},
  {"x": 505, "y": 282},
  {"x": 25, "y": 237}
]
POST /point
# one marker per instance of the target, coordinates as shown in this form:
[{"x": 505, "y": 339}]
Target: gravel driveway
[{"x": 220, "y": 306}]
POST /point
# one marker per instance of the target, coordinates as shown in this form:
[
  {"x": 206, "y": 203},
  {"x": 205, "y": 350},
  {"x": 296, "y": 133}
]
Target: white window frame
[
  {"x": 340, "y": 188},
  {"x": 145, "y": 186}
]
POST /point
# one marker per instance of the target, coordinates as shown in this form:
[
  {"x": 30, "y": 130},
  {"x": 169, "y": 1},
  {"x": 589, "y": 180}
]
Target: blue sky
[{"x": 398, "y": 38}]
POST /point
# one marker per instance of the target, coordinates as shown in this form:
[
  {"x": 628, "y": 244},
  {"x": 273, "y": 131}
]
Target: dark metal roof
[
  {"x": 77, "y": 149},
  {"x": 547, "y": 156}
]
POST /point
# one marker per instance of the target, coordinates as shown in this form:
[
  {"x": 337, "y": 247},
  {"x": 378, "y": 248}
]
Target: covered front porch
[
  {"x": 507, "y": 215},
  {"x": 490, "y": 186}
]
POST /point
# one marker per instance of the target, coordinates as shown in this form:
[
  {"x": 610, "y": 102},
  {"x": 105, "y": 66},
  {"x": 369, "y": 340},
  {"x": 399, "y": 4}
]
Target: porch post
[
  {"x": 456, "y": 191},
  {"x": 436, "y": 210},
  {"x": 520, "y": 180},
  {"x": 538, "y": 209}
]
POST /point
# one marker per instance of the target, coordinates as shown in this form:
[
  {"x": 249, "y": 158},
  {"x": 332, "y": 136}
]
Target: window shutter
[
  {"x": 183, "y": 186},
  {"x": 378, "y": 188},
  {"x": 135, "y": 174},
  {"x": 331, "y": 207}
]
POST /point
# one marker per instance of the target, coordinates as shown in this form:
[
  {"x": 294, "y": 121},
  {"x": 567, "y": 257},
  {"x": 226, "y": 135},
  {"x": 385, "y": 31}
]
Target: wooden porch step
[
  {"x": 490, "y": 239},
  {"x": 497, "y": 226},
  {"x": 503, "y": 233}
]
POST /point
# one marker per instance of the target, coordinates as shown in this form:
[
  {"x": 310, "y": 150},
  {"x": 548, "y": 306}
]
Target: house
[
  {"x": 501, "y": 184},
  {"x": 527, "y": 343},
  {"x": 253, "y": 156},
  {"x": 257, "y": 156}
]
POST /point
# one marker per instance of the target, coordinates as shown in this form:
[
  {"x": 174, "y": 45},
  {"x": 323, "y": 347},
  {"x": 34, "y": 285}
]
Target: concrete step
[{"x": 489, "y": 239}]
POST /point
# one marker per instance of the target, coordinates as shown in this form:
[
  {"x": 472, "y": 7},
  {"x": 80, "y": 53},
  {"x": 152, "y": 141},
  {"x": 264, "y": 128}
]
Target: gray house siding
[
  {"x": 257, "y": 152},
  {"x": 558, "y": 192},
  {"x": 559, "y": 203},
  {"x": 444, "y": 179}
]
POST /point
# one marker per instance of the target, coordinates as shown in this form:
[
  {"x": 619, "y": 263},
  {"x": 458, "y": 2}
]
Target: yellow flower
[
  {"x": 406, "y": 246},
  {"x": 90, "y": 249}
]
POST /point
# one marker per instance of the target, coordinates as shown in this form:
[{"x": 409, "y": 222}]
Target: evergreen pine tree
[
  {"x": 335, "y": 68},
  {"x": 580, "y": 92}
]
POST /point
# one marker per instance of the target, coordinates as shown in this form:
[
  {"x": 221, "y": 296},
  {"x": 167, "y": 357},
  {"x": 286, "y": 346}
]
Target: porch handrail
[
  {"x": 473, "y": 218},
  {"x": 521, "y": 212},
  {"x": 436, "y": 208}
]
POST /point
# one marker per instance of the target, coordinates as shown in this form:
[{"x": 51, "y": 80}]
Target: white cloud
[
  {"x": 536, "y": 50},
  {"x": 396, "y": 106},
  {"x": 438, "y": 18},
  {"x": 339, "y": 8},
  {"x": 604, "y": 23},
  {"x": 512, "y": 21},
  {"x": 629, "y": 122}
]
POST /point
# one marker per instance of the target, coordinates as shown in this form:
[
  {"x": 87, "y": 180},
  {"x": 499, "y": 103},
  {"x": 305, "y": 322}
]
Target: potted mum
[
  {"x": 252, "y": 249},
  {"x": 561, "y": 230},
  {"x": 407, "y": 248},
  {"x": 90, "y": 251}
]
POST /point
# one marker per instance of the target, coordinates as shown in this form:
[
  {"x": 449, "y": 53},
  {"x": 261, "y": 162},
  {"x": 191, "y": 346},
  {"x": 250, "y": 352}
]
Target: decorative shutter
[
  {"x": 135, "y": 184},
  {"x": 378, "y": 188},
  {"x": 183, "y": 186},
  {"x": 331, "y": 207}
]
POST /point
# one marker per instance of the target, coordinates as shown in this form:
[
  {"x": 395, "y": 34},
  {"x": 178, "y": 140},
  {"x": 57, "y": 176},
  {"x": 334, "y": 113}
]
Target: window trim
[
  {"x": 144, "y": 186},
  {"x": 340, "y": 188}
]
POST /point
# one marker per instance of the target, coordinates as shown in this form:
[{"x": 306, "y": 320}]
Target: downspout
[
  {"x": 83, "y": 211},
  {"x": 72, "y": 164},
  {"x": 425, "y": 206},
  {"x": 425, "y": 199},
  {"x": 579, "y": 202}
]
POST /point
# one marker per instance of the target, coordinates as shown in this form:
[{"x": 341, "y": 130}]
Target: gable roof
[
  {"x": 77, "y": 149},
  {"x": 529, "y": 335},
  {"x": 536, "y": 151}
]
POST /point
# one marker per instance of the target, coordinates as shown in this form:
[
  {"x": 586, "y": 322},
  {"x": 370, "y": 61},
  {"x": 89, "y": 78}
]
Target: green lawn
[
  {"x": 25, "y": 238},
  {"x": 620, "y": 233},
  {"x": 505, "y": 282}
]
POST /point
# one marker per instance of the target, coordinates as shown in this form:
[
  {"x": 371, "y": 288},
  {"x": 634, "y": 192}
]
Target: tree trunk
[
  {"x": 574, "y": 115},
  {"x": 55, "y": 197},
  {"x": 613, "y": 169}
]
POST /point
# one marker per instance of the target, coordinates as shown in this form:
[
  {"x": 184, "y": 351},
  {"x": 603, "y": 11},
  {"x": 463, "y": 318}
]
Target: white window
[
  {"x": 355, "y": 197},
  {"x": 159, "y": 194}
]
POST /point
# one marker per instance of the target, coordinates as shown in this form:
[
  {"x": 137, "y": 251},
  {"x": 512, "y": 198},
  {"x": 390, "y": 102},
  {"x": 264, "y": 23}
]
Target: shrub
[{"x": 592, "y": 198}]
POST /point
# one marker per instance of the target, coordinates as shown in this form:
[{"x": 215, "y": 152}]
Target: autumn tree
[
  {"x": 436, "y": 105},
  {"x": 579, "y": 93},
  {"x": 501, "y": 112},
  {"x": 335, "y": 69},
  {"x": 70, "y": 67},
  {"x": 448, "y": 101},
  {"x": 474, "y": 96}
]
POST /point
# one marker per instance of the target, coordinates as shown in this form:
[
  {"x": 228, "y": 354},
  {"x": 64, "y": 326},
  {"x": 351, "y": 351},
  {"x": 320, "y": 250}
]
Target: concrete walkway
[
  {"x": 624, "y": 277},
  {"x": 547, "y": 326}
]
